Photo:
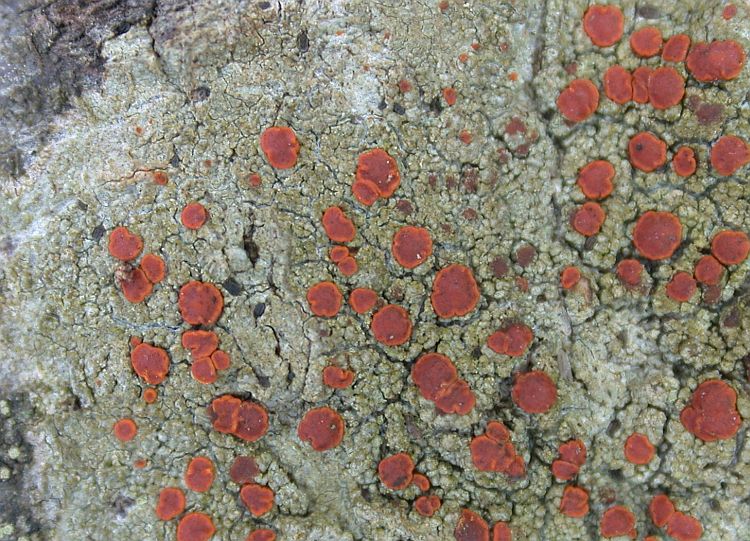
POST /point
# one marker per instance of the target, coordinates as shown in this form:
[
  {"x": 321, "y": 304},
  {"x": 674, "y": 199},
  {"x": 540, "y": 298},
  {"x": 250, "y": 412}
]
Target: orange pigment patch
[
  {"x": 391, "y": 325},
  {"x": 257, "y": 498},
  {"x": 513, "y": 339},
  {"x": 618, "y": 84},
  {"x": 379, "y": 168},
  {"x": 454, "y": 291},
  {"x": 569, "y": 277},
  {"x": 603, "y": 24},
  {"x": 242, "y": 418},
  {"x": 729, "y": 154},
  {"x": 255, "y": 180},
  {"x": 729, "y": 11},
  {"x": 324, "y": 299},
  {"x": 421, "y": 482},
  {"x": 160, "y": 178},
  {"x": 638, "y": 449},
  {"x": 195, "y": 527},
  {"x": 124, "y": 245},
  {"x": 150, "y": 395},
  {"x": 730, "y": 247},
  {"x": 154, "y": 268},
  {"x": 200, "y": 474},
  {"x": 682, "y": 527},
  {"x": 280, "y": 146},
  {"x": 244, "y": 469},
  {"x": 572, "y": 457},
  {"x": 224, "y": 413},
  {"x": 595, "y": 179},
  {"x": 493, "y": 451},
  {"x": 433, "y": 373},
  {"x": 203, "y": 371},
  {"x": 348, "y": 266},
  {"x": 647, "y": 152},
  {"x": 534, "y": 392},
  {"x": 200, "y": 303},
  {"x": 666, "y": 87},
  {"x": 365, "y": 192},
  {"x": 456, "y": 398},
  {"x": 151, "y": 363},
  {"x": 411, "y": 246},
  {"x": 322, "y": 427},
  {"x": 660, "y": 509},
  {"x": 676, "y": 48},
  {"x": 501, "y": 532},
  {"x": 220, "y": 359},
  {"x": 427, "y": 505},
  {"x": 681, "y": 287},
  {"x": 708, "y": 270},
  {"x": 194, "y": 215},
  {"x": 136, "y": 287},
  {"x": 396, "y": 471},
  {"x": 715, "y": 61},
  {"x": 200, "y": 343},
  {"x": 629, "y": 272},
  {"x": 641, "y": 77},
  {"x": 263, "y": 534},
  {"x": 450, "y": 96},
  {"x": 657, "y": 235},
  {"x": 574, "y": 502},
  {"x": 337, "y": 225},
  {"x": 336, "y": 377},
  {"x": 437, "y": 380},
  {"x": 252, "y": 421},
  {"x": 362, "y": 300},
  {"x": 471, "y": 527},
  {"x": 712, "y": 412},
  {"x": 337, "y": 253},
  {"x": 171, "y": 503},
  {"x": 125, "y": 429},
  {"x": 578, "y": 100},
  {"x": 683, "y": 161},
  {"x": 616, "y": 521},
  {"x": 646, "y": 42},
  {"x": 588, "y": 219}
]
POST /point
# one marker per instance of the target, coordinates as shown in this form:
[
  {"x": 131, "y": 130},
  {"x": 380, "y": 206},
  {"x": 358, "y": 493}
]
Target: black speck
[
  {"x": 259, "y": 309},
  {"x": 98, "y": 232},
  {"x": 200, "y": 93},
  {"x": 250, "y": 246},
  {"x": 589, "y": 243},
  {"x": 476, "y": 352},
  {"x": 366, "y": 494},
  {"x": 647, "y": 11},
  {"x": 382, "y": 105},
  {"x": 121, "y": 28},
  {"x": 616, "y": 475},
  {"x": 264, "y": 5},
  {"x": 398, "y": 109},
  {"x": 82, "y": 206},
  {"x": 435, "y": 105},
  {"x": 613, "y": 427},
  {"x": 175, "y": 161},
  {"x": 264, "y": 381},
  {"x": 121, "y": 505},
  {"x": 303, "y": 42},
  {"x": 232, "y": 286}
]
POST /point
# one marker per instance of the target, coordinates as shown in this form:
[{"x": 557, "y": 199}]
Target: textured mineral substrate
[{"x": 99, "y": 98}]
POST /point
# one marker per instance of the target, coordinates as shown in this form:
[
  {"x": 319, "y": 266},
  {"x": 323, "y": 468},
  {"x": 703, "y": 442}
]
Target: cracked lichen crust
[{"x": 187, "y": 91}]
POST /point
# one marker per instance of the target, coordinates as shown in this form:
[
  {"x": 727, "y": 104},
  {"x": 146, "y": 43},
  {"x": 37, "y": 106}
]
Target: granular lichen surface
[{"x": 180, "y": 240}]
